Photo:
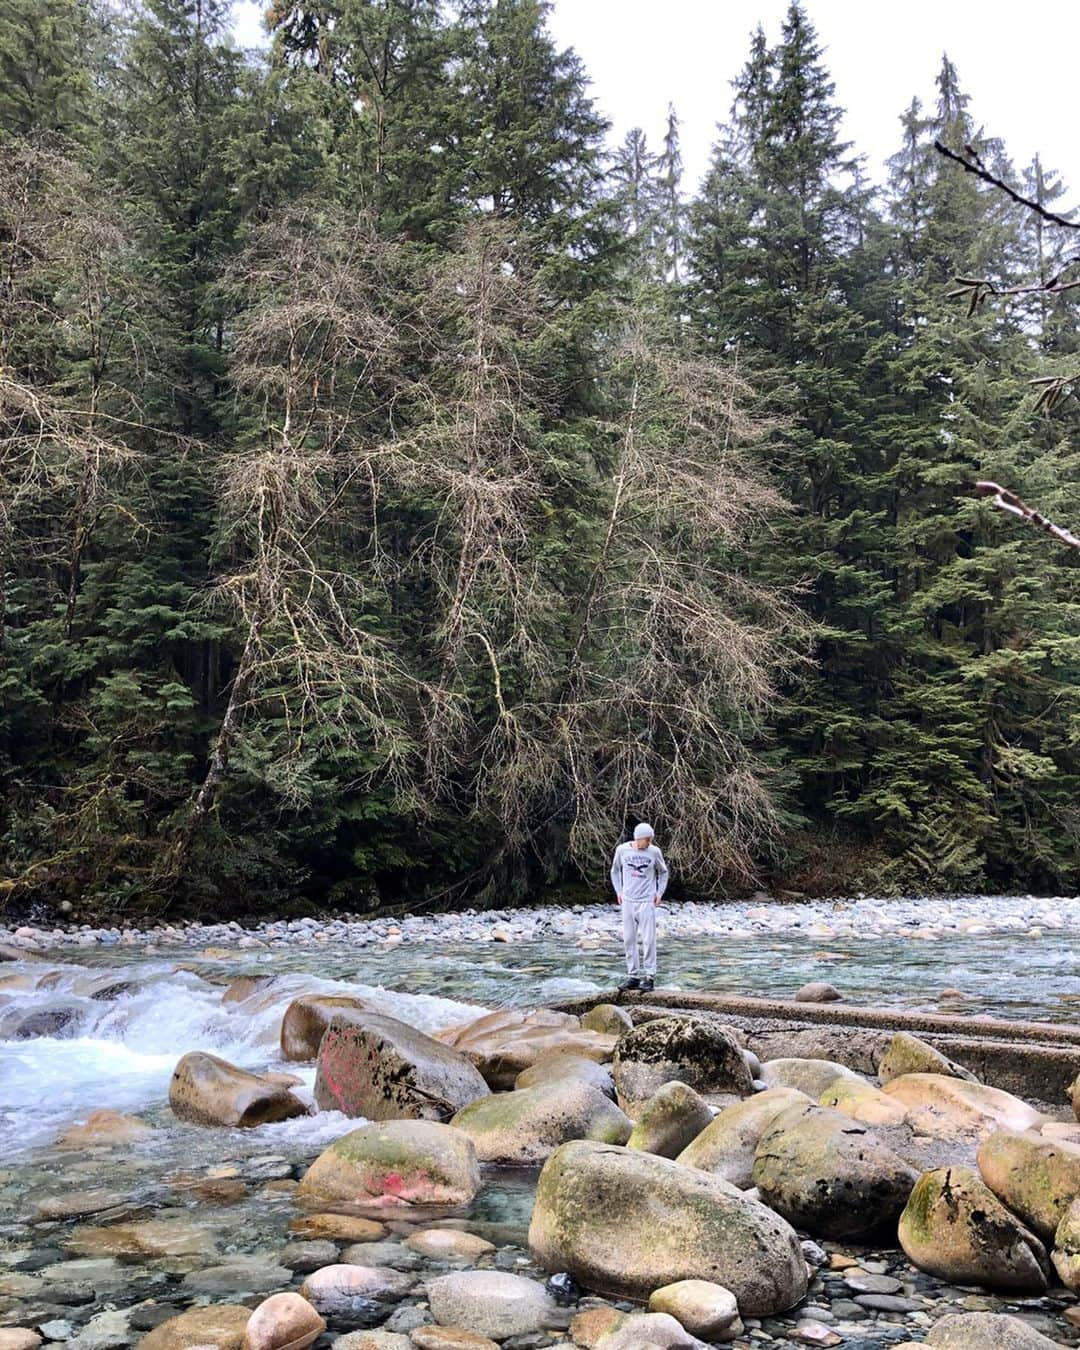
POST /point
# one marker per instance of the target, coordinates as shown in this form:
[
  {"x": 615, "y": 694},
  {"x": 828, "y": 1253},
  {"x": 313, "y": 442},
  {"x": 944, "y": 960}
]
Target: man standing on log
[{"x": 640, "y": 877}]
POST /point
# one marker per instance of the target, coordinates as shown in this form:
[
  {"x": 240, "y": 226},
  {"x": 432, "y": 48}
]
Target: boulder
[
  {"x": 523, "y": 1128},
  {"x": 907, "y": 1054},
  {"x": 1066, "y": 1254},
  {"x": 505, "y": 1043},
  {"x": 381, "y": 1069},
  {"x": 283, "y": 1322},
  {"x": 104, "y": 1127},
  {"x": 18, "y": 1338},
  {"x": 206, "y": 1090},
  {"x": 672, "y": 1049},
  {"x": 669, "y": 1121},
  {"x": 704, "y": 1309},
  {"x": 244, "y": 986},
  {"x": 812, "y": 1076},
  {"x": 950, "y": 1108},
  {"x": 397, "y": 1162},
  {"x": 588, "y": 1326},
  {"x": 829, "y": 1175},
  {"x": 490, "y": 1303},
  {"x": 607, "y": 1018},
  {"x": 221, "y": 1325},
  {"x": 143, "y": 1240},
  {"x": 657, "y": 1330},
  {"x": 954, "y": 1227},
  {"x": 1035, "y": 1177},
  {"x": 860, "y": 1100},
  {"x": 623, "y": 1223},
  {"x": 563, "y": 1066},
  {"x": 338, "y": 1228},
  {"x": 818, "y": 991},
  {"x": 726, "y": 1147},
  {"x": 985, "y": 1331},
  {"x": 340, "y": 1291},
  {"x": 306, "y": 1020}
]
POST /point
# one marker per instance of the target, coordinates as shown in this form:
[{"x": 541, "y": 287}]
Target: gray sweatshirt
[{"x": 638, "y": 873}]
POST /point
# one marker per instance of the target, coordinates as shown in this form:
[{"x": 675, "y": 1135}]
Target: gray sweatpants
[{"x": 639, "y": 924}]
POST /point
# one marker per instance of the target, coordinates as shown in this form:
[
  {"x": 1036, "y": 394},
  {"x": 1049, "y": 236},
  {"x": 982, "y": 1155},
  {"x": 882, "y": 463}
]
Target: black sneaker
[
  {"x": 634, "y": 982},
  {"x": 646, "y": 985}
]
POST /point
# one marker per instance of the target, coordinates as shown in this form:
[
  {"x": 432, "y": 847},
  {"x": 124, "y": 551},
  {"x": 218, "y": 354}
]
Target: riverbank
[{"x": 860, "y": 919}]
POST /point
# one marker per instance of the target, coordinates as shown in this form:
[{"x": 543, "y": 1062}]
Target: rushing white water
[{"x": 118, "y": 1049}]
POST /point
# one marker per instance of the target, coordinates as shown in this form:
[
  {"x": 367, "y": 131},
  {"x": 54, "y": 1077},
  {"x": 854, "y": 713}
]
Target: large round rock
[
  {"x": 489, "y": 1303},
  {"x": 811, "y": 1076},
  {"x": 505, "y": 1043},
  {"x": 624, "y": 1223},
  {"x": 398, "y": 1162},
  {"x": 954, "y": 1227},
  {"x": 671, "y": 1049},
  {"x": 672, "y": 1117},
  {"x": 381, "y": 1069},
  {"x": 206, "y": 1090},
  {"x": 524, "y": 1128},
  {"x": 944, "y": 1107},
  {"x": 907, "y": 1054},
  {"x": 1035, "y": 1177},
  {"x": 306, "y": 1020},
  {"x": 727, "y": 1146},
  {"x": 830, "y": 1175},
  {"x": 986, "y": 1331}
]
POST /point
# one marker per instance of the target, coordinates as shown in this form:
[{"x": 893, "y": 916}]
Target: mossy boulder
[
  {"x": 561, "y": 1066},
  {"x": 306, "y": 1020},
  {"x": 1066, "y": 1254},
  {"x": 907, "y": 1054},
  {"x": 954, "y": 1227},
  {"x": 607, "y": 1018},
  {"x": 624, "y": 1223},
  {"x": 830, "y": 1175},
  {"x": 670, "y": 1120},
  {"x": 726, "y": 1147},
  {"x": 206, "y": 1090},
  {"x": 862, "y": 1101},
  {"x": 381, "y": 1069},
  {"x": 505, "y": 1043},
  {"x": 812, "y": 1076},
  {"x": 394, "y": 1163},
  {"x": 944, "y": 1107},
  {"x": 1037, "y": 1178},
  {"x": 667, "y": 1049},
  {"x": 523, "y": 1128}
]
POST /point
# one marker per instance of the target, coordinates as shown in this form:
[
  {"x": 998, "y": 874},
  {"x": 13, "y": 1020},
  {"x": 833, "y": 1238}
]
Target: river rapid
[{"x": 98, "y": 1019}]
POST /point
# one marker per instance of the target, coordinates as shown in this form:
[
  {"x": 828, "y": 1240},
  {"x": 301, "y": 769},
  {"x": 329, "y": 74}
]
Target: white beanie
[{"x": 643, "y": 831}]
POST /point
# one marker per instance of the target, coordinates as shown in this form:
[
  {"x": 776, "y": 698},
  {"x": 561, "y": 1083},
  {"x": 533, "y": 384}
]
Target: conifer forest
[{"x": 404, "y": 489}]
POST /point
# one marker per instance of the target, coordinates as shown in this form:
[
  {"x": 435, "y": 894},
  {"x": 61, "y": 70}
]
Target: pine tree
[{"x": 47, "y": 84}]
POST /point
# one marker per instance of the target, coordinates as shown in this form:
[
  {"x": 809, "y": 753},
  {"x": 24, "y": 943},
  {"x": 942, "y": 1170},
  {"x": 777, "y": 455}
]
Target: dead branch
[
  {"x": 971, "y": 163},
  {"x": 1009, "y": 502}
]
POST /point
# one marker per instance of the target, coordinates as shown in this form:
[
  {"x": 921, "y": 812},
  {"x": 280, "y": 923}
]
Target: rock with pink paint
[
  {"x": 396, "y": 1163},
  {"x": 378, "y": 1068}
]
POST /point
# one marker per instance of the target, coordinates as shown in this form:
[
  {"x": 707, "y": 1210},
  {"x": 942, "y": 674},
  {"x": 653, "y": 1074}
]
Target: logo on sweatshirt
[{"x": 639, "y": 866}]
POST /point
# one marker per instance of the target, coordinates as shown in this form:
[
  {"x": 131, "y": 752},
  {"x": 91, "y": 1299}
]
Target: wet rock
[
  {"x": 829, "y": 1175},
  {"x": 236, "y": 1278},
  {"x": 221, "y": 1325},
  {"x": 340, "y": 1291},
  {"x": 504, "y": 1044},
  {"x": 489, "y": 1302},
  {"x": 654, "y": 1329},
  {"x": 306, "y": 1020},
  {"x": 338, "y": 1228},
  {"x": 147, "y": 1316},
  {"x": 77, "y": 1204},
  {"x": 818, "y": 991},
  {"x": 907, "y": 1054},
  {"x": 669, "y": 1121},
  {"x": 146, "y": 1239},
  {"x": 283, "y": 1322},
  {"x": 381, "y": 1069},
  {"x": 1066, "y": 1254},
  {"x": 397, "y": 1162},
  {"x": 950, "y": 1108},
  {"x": 862, "y": 1101},
  {"x": 704, "y": 1309},
  {"x": 394, "y": 1254},
  {"x": 244, "y": 986},
  {"x": 562, "y": 1066},
  {"x": 955, "y": 1227},
  {"x": 706, "y": 1057},
  {"x": 104, "y": 1127},
  {"x": 450, "y": 1338},
  {"x": 206, "y": 1090},
  {"x": 106, "y": 1331},
  {"x": 811, "y": 1076},
  {"x": 304, "y": 1257},
  {"x": 444, "y": 1244},
  {"x": 726, "y": 1147},
  {"x": 607, "y": 1018},
  {"x": 58, "y": 1022},
  {"x": 623, "y": 1223},
  {"x": 1035, "y": 1177},
  {"x": 985, "y": 1331},
  {"x": 524, "y": 1127}
]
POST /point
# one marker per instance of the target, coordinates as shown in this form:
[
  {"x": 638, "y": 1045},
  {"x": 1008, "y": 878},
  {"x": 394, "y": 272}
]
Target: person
[{"x": 640, "y": 877}]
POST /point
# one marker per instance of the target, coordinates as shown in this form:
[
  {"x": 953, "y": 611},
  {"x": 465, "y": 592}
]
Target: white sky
[{"x": 1018, "y": 61}]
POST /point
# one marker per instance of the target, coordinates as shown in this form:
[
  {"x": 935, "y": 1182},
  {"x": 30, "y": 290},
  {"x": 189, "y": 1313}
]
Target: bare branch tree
[{"x": 1013, "y": 505}]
